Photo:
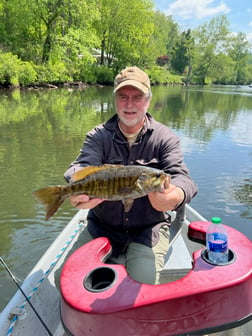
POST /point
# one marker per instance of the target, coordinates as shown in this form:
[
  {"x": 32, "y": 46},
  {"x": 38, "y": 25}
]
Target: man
[{"x": 140, "y": 237}]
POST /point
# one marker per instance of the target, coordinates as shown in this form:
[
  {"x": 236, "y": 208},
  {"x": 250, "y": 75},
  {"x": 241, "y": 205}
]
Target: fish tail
[{"x": 51, "y": 197}]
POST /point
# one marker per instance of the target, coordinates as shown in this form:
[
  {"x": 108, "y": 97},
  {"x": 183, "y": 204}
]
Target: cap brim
[{"x": 131, "y": 82}]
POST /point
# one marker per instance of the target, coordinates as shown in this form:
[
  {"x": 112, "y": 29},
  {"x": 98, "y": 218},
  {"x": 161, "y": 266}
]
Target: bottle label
[{"x": 217, "y": 242}]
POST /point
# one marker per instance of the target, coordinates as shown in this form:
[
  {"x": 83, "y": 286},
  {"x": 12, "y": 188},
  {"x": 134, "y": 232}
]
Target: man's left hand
[{"x": 169, "y": 199}]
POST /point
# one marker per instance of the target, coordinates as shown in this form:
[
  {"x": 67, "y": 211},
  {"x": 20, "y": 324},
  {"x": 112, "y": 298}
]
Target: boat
[{"x": 96, "y": 298}]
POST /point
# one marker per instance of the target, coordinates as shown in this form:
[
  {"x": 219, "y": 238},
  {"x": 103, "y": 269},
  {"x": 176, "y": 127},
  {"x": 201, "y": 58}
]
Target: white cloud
[
  {"x": 197, "y": 9},
  {"x": 249, "y": 37}
]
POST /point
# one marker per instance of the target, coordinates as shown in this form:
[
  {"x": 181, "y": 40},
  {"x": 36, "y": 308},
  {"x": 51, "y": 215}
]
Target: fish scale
[{"x": 111, "y": 183}]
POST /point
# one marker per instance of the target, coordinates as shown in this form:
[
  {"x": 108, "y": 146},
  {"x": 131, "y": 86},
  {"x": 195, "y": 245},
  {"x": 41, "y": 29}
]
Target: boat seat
[{"x": 178, "y": 260}]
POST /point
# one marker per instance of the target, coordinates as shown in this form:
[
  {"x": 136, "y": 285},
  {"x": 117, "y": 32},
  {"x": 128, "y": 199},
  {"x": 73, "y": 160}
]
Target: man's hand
[
  {"x": 169, "y": 199},
  {"x": 84, "y": 202}
]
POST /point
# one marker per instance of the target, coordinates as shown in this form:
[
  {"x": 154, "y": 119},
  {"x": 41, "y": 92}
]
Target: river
[{"x": 43, "y": 130}]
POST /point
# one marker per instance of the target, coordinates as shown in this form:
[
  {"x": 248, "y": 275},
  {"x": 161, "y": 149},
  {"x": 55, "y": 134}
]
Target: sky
[{"x": 192, "y": 13}]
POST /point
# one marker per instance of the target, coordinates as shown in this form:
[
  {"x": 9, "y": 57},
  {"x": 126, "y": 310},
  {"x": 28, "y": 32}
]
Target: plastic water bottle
[{"x": 217, "y": 242}]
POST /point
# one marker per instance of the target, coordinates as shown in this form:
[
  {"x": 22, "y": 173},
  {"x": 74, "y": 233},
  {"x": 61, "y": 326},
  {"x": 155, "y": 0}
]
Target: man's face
[{"x": 131, "y": 106}]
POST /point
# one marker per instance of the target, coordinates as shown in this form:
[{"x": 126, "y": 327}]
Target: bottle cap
[{"x": 216, "y": 220}]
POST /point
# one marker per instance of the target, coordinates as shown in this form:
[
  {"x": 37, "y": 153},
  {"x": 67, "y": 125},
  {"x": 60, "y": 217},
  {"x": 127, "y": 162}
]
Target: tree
[
  {"x": 59, "y": 38},
  {"x": 36, "y": 30},
  {"x": 165, "y": 35},
  {"x": 224, "y": 72},
  {"x": 209, "y": 41},
  {"x": 17, "y": 28},
  {"x": 66, "y": 28},
  {"x": 182, "y": 55},
  {"x": 238, "y": 50},
  {"x": 125, "y": 30}
]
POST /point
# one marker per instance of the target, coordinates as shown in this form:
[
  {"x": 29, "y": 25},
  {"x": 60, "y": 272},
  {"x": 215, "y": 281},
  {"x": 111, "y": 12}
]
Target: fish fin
[
  {"x": 51, "y": 198},
  {"x": 84, "y": 172},
  {"x": 128, "y": 202}
]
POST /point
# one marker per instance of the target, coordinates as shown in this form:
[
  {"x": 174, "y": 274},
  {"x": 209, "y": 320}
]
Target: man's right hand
[{"x": 84, "y": 202}]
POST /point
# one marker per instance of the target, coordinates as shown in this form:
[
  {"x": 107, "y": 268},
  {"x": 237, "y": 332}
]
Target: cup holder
[
  {"x": 231, "y": 258},
  {"x": 100, "y": 279}
]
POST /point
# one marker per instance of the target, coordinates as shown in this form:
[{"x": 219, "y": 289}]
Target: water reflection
[
  {"x": 243, "y": 194},
  {"x": 241, "y": 129},
  {"x": 42, "y": 131}
]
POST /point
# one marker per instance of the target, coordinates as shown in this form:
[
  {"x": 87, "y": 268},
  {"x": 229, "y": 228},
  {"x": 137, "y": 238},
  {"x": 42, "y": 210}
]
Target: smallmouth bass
[{"x": 108, "y": 182}]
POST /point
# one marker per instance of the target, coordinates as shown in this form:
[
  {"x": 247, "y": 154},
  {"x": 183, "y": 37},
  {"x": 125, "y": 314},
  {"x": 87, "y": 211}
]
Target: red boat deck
[{"x": 98, "y": 298}]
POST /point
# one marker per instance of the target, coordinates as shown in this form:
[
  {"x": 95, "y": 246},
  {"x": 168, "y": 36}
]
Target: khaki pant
[{"x": 144, "y": 264}]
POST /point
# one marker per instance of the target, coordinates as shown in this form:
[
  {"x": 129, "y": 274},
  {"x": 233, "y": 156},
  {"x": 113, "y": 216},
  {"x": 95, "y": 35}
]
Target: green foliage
[
  {"x": 166, "y": 34},
  {"x": 224, "y": 71},
  {"x": 88, "y": 75},
  {"x": 52, "y": 73},
  {"x": 125, "y": 30},
  {"x": 249, "y": 69},
  {"x": 160, "y": 75},
  {"x": 208, "y": 40},
  {"x": 8, "y": 69},
  {"x": 104, "y": 75},
  {"x": 15, "y": 72},
  {"x": 53, "y": 41},
  {"x": 93, "y": 74},
  {"x": 238, "y": 50},
  {"x": 26, "y": 73},
  {"x": 182, "y": 54}
]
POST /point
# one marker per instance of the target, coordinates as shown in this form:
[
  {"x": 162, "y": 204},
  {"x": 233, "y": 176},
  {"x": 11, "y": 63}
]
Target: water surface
[{"x": 42, "y": 132}]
